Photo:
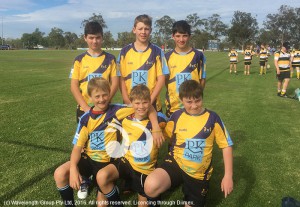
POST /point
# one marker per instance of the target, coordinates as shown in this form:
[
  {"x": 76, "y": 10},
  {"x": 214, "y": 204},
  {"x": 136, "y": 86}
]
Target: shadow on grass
[
  {"x": 24, "y": 144},
  {"x": 29, "y": 183}
]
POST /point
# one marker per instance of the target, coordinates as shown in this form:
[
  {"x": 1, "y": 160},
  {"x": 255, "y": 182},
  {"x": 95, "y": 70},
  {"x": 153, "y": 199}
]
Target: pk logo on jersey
[
  {"x": 97, "y": 140},
  {"x": 94, "y": 75},
  {"x": 140, "y": 150},
  {"x": 180, "y": 78},
  {"x": 139, "y": 77},
  {"x": 194, "y": 150}
]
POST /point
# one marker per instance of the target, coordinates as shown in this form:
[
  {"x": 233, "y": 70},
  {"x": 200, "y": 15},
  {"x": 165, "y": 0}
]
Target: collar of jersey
[{"x": 196, "y": 114}]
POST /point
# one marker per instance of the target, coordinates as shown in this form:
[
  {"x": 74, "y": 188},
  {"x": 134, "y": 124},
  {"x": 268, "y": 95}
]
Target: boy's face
[
  {"x": 142, "y": 32},
  {"x": 181, "y": 40},
  {"x": 100, "y": 99},
  {"x": 94, "y": 41},
  {"x": 141, "y": 107},
  {"x": 192, "y": 105}
]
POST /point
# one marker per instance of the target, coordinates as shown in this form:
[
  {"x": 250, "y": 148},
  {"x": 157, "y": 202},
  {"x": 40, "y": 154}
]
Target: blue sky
[{"x": 24, "y": 16}]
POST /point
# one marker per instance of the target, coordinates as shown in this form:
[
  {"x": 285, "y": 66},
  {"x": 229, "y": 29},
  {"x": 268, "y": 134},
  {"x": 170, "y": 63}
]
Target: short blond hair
[
  {"x": 140, "y": 92},
  {"x": 146, "y": 19},
  {"x": 98, "y": 83}
]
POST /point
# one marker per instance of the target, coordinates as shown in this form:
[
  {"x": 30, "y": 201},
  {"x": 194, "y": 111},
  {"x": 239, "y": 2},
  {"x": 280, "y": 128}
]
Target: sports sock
[
  {"x": 113, "y": 197},
  {"x": 261, "y": 70},
  {"x": 298, "y": 74},
  {"x": 283, "y": 91},
  {"x": 67, "y": 196}
]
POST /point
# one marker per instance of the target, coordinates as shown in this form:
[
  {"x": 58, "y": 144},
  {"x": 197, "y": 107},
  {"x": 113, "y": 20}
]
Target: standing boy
[
  {"x": 93, "y": 63},
  {"x": 140, "y": 155},
  {"x": 233, "y": 58},
  {"x": 142, "y": 62},
  {"x": 184, "y": 63},
  {"x": 296, "y": 60},
  {"x": 192, "y": 131},
  {"x": 282, "y": 62},
  {"x": 248, "y": 53},
  {"x": 263, "y": 58}
]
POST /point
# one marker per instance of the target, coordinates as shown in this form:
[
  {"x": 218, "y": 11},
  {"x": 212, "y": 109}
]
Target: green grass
[{"x": 38, "y": 124}]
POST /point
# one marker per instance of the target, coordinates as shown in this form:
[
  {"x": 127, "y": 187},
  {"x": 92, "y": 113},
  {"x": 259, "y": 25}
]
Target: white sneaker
[{"x": 83, "y": 190}]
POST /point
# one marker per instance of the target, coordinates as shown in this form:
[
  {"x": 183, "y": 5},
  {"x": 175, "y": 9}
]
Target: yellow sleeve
[
  {"x": 168, "y": 129},
  {"x": 124, "y": 112}
]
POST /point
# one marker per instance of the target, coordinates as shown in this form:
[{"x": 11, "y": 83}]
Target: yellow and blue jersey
[
  {"x": 296, "y": 58},
  {"x": 284, "y": 60},
  {"x": 192, "y": 138},
  {"x": 86, "y": 67},
  {"x": 187, "y": 66},
  {"x": 141, "y": 156},
  {"x": 233, "y": 56},
  {"x": 142, "y": 67},
  {"x": 92, "y": 134}
]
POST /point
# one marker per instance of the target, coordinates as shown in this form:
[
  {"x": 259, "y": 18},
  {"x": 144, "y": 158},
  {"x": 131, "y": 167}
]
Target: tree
[
  {"x": 243, "y": 30},
  {"x": 124, "y": 38},
  {"x": 215, "y": 27},
  {"x": 163, "y": 28},
  {"x": 108, "y": 40},
  {"x": 96, "y": 18},
  {"x": 70, "y": 39},
  {"x": 195, "y": 22},
  {"x": 56, "y": 38},
  {"x": 284, "y": 25},
  {"x": 33, "y": 39}
]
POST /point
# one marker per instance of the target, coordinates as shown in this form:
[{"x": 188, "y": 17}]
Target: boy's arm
[
  {"x": 114, "y": 86},
  {"x": 77, "y": 95},
  {"x": 75, "y": 178},
  {"x": 157, "y": 135},
  {"x": 159, "y": 84},
  {"x": 227, "y": 181},
  {"x": 124, "y": 91}
]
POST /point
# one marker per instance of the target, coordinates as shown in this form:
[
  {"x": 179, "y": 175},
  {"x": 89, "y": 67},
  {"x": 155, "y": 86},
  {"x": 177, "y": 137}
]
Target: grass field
[{"x": 38, "y": 123}]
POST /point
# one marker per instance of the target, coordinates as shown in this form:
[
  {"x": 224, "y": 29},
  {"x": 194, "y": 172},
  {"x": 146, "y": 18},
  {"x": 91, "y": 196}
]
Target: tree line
[{"x": 243, "y": 29}]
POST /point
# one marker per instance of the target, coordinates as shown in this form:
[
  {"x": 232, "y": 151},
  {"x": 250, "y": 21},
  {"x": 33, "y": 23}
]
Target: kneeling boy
[{"x": 192, "y": 131}]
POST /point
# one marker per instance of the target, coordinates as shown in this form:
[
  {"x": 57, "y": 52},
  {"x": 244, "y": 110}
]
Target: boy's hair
[
  {"x": 146, "y": 19},
  {"x": 93, "y": 28},
  {"x": 181, "y": 27},
  {"x": 190, "y": 89},
  {"x": 140, "y": 92},
  {"x": 98, "y": 83}
]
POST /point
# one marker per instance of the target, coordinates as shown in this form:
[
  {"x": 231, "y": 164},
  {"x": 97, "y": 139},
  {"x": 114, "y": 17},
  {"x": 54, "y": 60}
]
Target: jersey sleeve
[
  {"x": 124, "y": 112},
  {"x": 75, "y": 70},
  {"x": 114, "y": 72},
  {"x": 165, "y": 69},
  {"x": 222, "y": 136}
]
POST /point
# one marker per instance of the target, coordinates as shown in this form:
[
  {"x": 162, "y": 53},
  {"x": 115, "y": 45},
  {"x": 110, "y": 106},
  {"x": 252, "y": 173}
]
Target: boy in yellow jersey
[
  {"x": 233, "y": 58},
  {"x": 139, "y": 156},
  {"x": 184, "y": 63},
  {"x": 296, "y": 61},
  {"x": 142, "y": 62},
  {"x": 93, "y": 63},
  {"x": 192, "y": 132},
  {"x": 91, "y": 141},
  {"x": 282, "y": 62},
  {"x": 263, "y": 58},
  {"x": 248, "y": 53}
]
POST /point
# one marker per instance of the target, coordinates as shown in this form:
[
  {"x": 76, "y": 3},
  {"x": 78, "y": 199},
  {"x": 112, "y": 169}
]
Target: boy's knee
[
  {"x": 102, "y": 177},
  {"x": 61, "y": 175},
  {"x": 149, "y": 188}
]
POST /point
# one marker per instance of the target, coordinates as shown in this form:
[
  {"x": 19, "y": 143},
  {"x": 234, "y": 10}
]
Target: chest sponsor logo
[
  {"x": 139, "y": 77},
  {"x": 97, "y": 140},
  {"x": 194, "y": 150},
  {"x": 180, "y": 78},
  {"x": 138, "y": 148},
  {"x": 94, "y": 75}
]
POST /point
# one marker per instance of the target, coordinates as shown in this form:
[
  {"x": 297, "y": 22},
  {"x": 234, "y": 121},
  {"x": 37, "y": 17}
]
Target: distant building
[{"x": 213, "y": 44}]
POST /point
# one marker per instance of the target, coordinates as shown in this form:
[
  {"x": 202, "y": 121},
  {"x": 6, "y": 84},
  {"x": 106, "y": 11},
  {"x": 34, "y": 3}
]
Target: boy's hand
[
  {"x": 75, "y": 179},
  {"x": 158, "y": 138},
  {"x": 227, "y": 185}
]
